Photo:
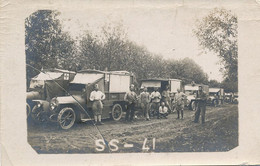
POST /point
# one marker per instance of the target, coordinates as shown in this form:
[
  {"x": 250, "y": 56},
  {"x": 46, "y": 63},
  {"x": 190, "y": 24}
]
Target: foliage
[
  {"x": 47, "y": 46},
  {"x": 113, "y": 51},
  {"x": 214, "y": 84},
  {"x": 217, "y": 32}
]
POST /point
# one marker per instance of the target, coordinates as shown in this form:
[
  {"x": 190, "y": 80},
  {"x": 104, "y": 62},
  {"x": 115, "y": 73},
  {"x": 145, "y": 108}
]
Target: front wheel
[
  {"x": 117, "y": 112},
  {"x": 214, "y": 103},
  {"x": 66, "y": 118},
  {"x": 37, "y": 114}
]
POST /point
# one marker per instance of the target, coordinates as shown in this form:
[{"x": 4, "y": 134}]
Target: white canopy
[
  {"x": 154, "y": 83},
  {"x": 214, "y": 90},
  {"x": 47, "y": 76},
  {"x": 86, "y": 78}
]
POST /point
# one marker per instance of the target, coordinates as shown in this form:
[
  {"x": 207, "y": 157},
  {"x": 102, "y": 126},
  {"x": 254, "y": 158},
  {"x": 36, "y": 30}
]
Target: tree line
[{"x": 49, "y": 46}]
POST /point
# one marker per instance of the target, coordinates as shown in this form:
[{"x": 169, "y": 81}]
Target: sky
[{"x": 163, "y": 27}]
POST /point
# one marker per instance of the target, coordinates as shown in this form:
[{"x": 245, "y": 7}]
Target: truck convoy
[{"x": 62, "y": 96}]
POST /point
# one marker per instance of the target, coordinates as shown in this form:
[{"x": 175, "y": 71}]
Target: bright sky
[{"x": 163, "y": 28}]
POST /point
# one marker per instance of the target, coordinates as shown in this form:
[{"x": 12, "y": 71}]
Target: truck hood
[
  {"x": 191, "y": 97},
  {"x": 70, "y": 99},
  {"x": 211, "y": 97},
  {"x": 33, "y": 95}
]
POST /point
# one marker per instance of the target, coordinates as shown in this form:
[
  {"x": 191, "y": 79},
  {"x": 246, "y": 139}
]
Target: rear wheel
[
  {"x": 66, "y": 118},
  {"x": 193, "y": 106},
  {"x": 117, "y": 112}
]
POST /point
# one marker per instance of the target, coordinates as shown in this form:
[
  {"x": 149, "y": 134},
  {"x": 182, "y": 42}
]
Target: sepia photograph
[
  {"x": 132, "y": 80},
  {"x": 129, "y": 82}
]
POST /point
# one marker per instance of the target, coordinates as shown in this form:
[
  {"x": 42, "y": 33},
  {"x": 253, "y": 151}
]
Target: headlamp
[
  {"x": 39, "y": 105},
  {"x": 54, "y": 103}
]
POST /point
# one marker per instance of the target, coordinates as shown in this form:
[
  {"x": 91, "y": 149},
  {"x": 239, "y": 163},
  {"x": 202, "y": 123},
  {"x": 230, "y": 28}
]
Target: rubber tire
[
  {"x": 113, "y": 110},
  {"x": 35, "y": 121},
  {"x": 193, "y": 106},
  {"x": 73, "y": 119},
  {"x": 214, "y": 103}
]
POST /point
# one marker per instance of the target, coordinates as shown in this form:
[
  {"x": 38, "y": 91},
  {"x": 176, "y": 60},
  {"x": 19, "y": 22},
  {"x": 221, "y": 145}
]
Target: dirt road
[{"x": 219, "y": 133}]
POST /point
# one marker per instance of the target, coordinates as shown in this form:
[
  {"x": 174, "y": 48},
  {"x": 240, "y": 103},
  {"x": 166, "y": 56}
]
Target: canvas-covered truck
[
  {"x": 216, "y": 96},
  {"x": 46, "y": 85},
  {"x": 162, "y": 84},
  {"x": 173, "y": 84},
  {"x": 75, "y": 106},
  {"x": 190, "y": 91}
]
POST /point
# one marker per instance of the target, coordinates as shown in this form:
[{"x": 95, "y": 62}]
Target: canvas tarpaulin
[{"x": 55, "y": 88}]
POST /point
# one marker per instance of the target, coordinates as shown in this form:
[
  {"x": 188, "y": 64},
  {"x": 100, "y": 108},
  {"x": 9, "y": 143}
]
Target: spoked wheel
[
  {"x": 37, "y": 114},
  {"x": 66, "y": 118},
  {"x": 117, "y": 112}
]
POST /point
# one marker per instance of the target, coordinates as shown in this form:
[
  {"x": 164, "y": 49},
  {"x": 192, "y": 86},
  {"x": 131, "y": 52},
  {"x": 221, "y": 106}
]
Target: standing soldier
[
  {"x": 131, "y": 99},
  {"x": 156, "y": 98},
  {"x": 166, "y": 98},
  {"x": 145, "y": 100},
  {"x": 179, "y": 99},
  {"x": 201, "y": 105},
  {"x": 97, "y": 96}
]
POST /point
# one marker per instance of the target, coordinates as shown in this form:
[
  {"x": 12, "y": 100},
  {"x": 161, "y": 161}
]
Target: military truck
[
  {"x": 172, "y": 84},
  {"x": 150, "y": 84},
  {"x": 46, "y": 85},
  {"x": 75, "y": 106},
  {"x": 216, "y": 96}
]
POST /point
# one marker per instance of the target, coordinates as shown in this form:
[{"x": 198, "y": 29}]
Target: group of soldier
[{"x": 154, "y": 104}]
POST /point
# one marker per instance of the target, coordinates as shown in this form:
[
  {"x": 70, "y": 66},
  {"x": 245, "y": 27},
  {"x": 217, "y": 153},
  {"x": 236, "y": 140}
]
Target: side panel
[
  {"x": 119, "y": 83},
  {"x": 175, "y": 85},
  {"x": 206, "y": 89},
  {"x": 151, "y": 84},
  {"x": 188, "y": 88}
]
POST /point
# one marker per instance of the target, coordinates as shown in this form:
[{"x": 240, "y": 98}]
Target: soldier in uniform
[
  {"x": 163, "y": 111},
  {"x": 166, "y": 98},
  {"x": 131, "y": 100},
  {"x": 201, "y": 105},
  {"x": 97, "y": 96},
  {"x": 179, "y": 98},
  {"x": 145, "y": 100},
  {"x": 156, "y": 99}
]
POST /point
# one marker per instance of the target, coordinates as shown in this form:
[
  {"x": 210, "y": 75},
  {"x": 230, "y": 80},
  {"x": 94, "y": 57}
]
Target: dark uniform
[
  {"x": 201, "y": 106},
  {"x": 131, "y": 99}
]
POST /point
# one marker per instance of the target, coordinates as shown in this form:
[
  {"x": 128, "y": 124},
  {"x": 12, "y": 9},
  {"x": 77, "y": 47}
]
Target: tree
[
  {"x": 217, "y": 32},
  {"x": 112, "y": 50},
  {"x": 46, "y": 45},
  {"x": 187, "y": 70},
  {"x": 90, "y": 51},
  {"x": 214, "y": 84}
]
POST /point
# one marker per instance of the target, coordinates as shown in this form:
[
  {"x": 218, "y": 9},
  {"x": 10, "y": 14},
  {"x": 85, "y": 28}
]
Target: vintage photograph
[{"x": 132, "y": 79}]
